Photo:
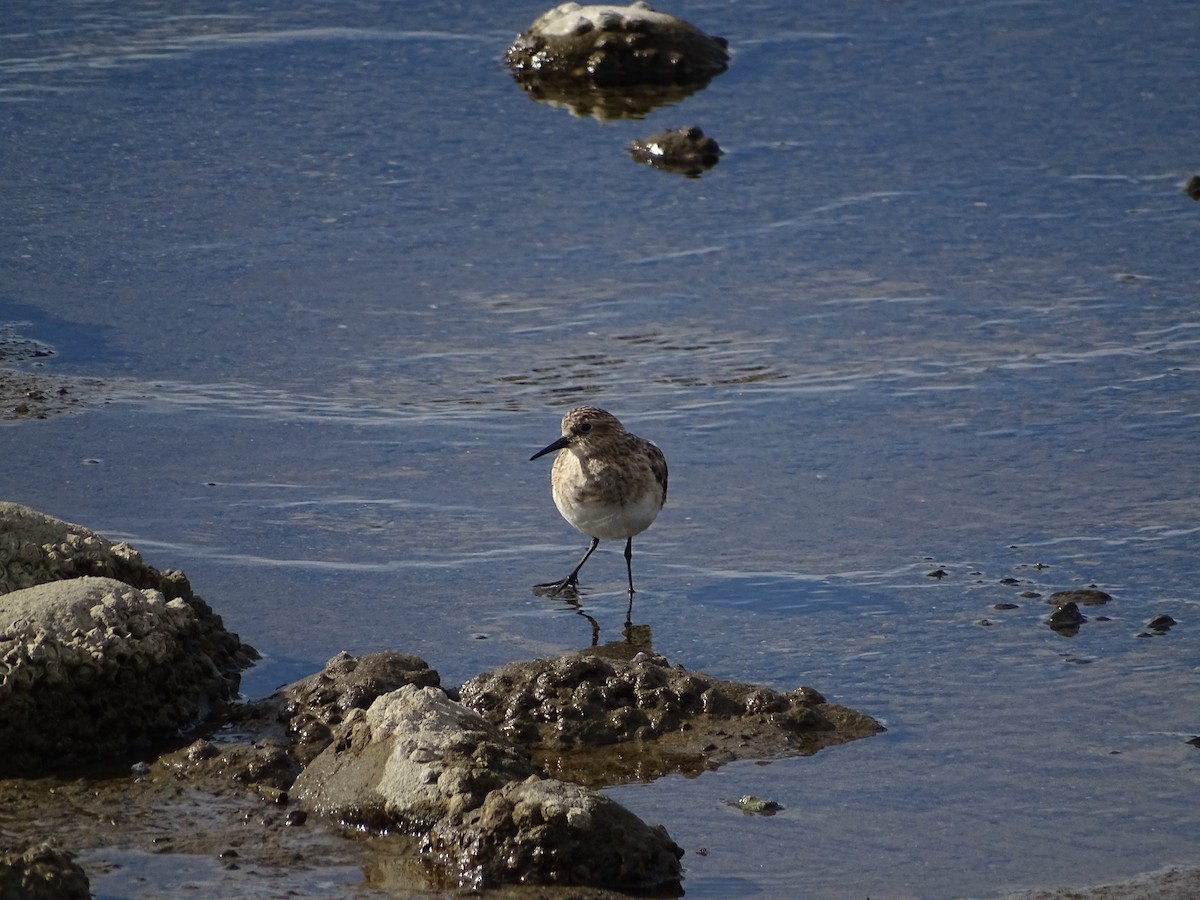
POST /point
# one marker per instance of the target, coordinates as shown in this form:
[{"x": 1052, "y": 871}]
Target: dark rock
[
  {"x": 601, "y": 720},
  {"x": 1192, "y": 188},
  {"x": 613, "y": 61},
  {"x": 1066, "y": 619},
  {"x": 1080, "y": 596},
  {"x": 616, "y": 45},
  {"x": 542, "y": 831},
  {"x": 686, "y": 151},
  {"x": 42, "y": 873},
  {"x": 1161, "y": 623}
]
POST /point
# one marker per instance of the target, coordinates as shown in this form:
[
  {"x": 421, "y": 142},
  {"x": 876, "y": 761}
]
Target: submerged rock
[
  {"x": 601, "y": 720},
  {"x": 685, "y": 150},
  {"x": 1080, "y": 596}
]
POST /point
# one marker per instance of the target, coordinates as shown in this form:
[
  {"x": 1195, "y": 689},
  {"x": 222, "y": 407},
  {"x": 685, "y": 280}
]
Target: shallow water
[{"x": 935, "y": 307}]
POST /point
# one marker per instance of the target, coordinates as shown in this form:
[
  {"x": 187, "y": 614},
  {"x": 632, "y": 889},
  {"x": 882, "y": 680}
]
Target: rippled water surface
[{"x": 936, "y": 308}]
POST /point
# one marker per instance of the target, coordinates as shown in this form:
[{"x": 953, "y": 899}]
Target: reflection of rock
[
  {"x": 42, "y": 873},
  {"x": 582, "y": 98},
  {"x": 92, "y": 667},
  {"x": 613, "y": 61},
  {"x": 684, "y": 150},
  {"x": 602, "y": 720}
]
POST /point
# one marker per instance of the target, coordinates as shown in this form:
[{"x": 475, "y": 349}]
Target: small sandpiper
[{"x": 606, "y": 482}]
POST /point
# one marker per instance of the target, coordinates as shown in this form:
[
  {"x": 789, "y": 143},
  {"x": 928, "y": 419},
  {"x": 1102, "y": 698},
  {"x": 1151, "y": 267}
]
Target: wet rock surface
[
  {"x": 687, "y": 151},
  {"x": 554, "y": 832},
  {"x": 613, "y": 62},
  {"x": 100, "y": 654},
  {"x": 42, "y": 873},
  {"x": 314, "y": 706},
  {"x": 123, "y": 658},
  {"x": 1080, "y": 596},
  {"x": 616, "y": 45},
  {"x": 413, "y": 758},
  {"x": 37, "y": 395},
  {"x": 602, "y": 720}
]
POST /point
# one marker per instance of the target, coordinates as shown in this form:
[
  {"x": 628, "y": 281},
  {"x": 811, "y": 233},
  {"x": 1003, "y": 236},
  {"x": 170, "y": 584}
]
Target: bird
[{"x": 607, "y": 482}]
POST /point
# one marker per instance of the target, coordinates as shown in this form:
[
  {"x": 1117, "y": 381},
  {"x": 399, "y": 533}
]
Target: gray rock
[
  {"x": 36, "y": 548},
  {"x": 42, "y": 873},
  {"x": 412, "y": 758},
  {"x": 545, "y": 831},
  {"x": 92, "y": 667},
  {"x": 314, "y": 706},
  {"x": 418, "y": 762}
]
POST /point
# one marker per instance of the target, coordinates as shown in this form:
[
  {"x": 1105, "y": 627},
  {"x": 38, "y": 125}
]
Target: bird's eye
[{"x": 585, "y": 427}]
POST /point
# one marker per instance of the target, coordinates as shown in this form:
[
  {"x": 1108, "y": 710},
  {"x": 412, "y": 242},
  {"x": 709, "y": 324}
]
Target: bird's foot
[{"x": 567, "y": 586}]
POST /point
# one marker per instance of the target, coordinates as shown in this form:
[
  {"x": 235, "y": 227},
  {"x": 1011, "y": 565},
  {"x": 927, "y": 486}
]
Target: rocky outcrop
[
  {"x": 412, "y": 758},
  {"x": 616, "y": 45},
  {"x": 100, "y": 654},
  {"x": 603, "y": 720},
  {"x": 418, "y": 761},
  {"x": 92, "y": 668},
  {"x": 314, "y": 706},
  {"x": 42, "y": 873},
  {"x": 613, "y": 61},
  {"x": 552, "y": 832}
]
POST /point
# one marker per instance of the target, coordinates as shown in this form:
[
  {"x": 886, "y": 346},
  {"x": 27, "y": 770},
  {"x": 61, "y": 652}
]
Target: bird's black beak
[{"x": 557, "y": 445}]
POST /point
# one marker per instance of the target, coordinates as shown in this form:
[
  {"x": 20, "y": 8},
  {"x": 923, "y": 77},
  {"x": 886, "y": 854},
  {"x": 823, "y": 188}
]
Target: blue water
[{"x": 935, "y": 307}]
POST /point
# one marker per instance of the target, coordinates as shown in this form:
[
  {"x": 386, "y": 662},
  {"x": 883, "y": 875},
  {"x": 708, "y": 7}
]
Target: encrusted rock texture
[
  {"x": 100, "y": 654},
  {"x": 42, "y": 872},
  {"x": 577, "y": 713},
  {"x": 561, "y": 833},
  {"x": 616, "y": 45},
  {"x": 419, "y": 762}
]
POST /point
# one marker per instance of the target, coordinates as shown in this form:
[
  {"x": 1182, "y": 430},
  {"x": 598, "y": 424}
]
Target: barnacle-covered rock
[{"x": 613, "y": 61}]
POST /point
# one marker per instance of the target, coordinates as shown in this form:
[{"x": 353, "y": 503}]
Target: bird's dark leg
[
  {"x": 571, "y": 580},
  {"x": 629, "y": 569}
]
